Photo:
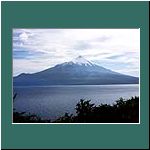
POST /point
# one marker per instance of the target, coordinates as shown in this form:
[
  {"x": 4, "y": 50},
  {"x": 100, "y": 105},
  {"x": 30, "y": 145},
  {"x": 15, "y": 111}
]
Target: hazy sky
[{"x": 38, "y": 49}]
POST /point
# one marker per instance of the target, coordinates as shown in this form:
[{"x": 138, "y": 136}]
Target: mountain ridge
[{"x": 79, "y": 71}]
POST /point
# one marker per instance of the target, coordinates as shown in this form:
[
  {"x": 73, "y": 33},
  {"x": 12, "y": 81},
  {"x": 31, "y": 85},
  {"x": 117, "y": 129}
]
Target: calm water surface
[{"x": 53, "y": 101}]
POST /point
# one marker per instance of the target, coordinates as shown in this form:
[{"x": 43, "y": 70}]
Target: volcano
[{"x": 79, "y": 71}]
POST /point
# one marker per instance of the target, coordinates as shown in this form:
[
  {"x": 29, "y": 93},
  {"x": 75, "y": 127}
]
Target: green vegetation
[{"x": 122, "y": 111}]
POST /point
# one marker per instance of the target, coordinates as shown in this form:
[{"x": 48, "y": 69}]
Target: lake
[{"x": 51, "y": 102}]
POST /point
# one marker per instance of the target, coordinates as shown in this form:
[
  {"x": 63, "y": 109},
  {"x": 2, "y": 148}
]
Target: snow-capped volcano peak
[
  {"x": 81, "y": 61},
  {"x": 79, "y": 71}
]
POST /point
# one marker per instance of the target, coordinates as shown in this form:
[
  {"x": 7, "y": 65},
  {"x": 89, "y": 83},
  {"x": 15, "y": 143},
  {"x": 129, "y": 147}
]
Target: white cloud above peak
[{"x": 37, "y": 49}]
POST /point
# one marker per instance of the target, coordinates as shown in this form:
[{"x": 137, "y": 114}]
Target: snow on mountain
[
  {"x": 79, "y": 61},
  {"x": 79, "y": 71}
]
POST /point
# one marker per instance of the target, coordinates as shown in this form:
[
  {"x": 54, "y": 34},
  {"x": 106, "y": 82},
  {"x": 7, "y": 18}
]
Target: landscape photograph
[{"x": 67, "y": 76}]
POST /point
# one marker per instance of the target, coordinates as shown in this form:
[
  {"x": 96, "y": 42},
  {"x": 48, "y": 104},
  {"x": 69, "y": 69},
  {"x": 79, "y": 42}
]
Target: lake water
[{"x": 53, "y": 101}]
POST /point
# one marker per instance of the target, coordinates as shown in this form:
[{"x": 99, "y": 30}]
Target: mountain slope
[{"x": 76, "y": 72}]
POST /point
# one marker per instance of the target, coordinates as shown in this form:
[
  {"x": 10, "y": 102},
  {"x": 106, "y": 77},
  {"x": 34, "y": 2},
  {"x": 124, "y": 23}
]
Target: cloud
[
  {"x": 103, "y": 38},
  {"x": 115, "y": 56},
  {"x": 24, "y": 54},
  {"x": 23, "y": 36},
  {"x": 37, "y": 49},
  {"x": 82, "y": 45}
]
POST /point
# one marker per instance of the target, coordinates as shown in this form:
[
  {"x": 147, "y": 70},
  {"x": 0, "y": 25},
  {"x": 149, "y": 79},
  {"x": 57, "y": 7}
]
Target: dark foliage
[
  {"x": 122, "y": 111},
  {"x": 23, "y": 117}
]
